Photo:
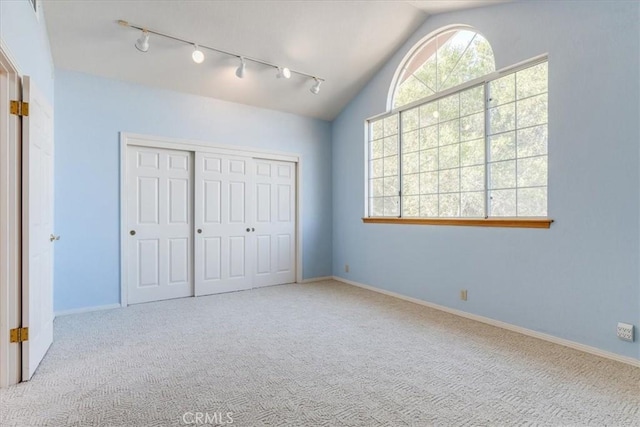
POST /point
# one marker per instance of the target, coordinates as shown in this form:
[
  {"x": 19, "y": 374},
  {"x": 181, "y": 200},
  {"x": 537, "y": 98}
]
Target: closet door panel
[
  {"x": 275, "y": 202},
  {"x": 160, "y": 226},
  {"x": 223, "y": 239}
]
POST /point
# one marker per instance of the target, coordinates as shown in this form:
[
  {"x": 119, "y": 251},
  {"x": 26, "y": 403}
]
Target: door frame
[
  {"x": 10, "y": 219},
  {"x": 127, "y": 139}
]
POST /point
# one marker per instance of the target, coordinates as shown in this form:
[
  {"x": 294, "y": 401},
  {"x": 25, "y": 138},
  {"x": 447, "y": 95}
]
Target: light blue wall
[
  {"x": 25, "y": 36},
  {"x": 575, "y": 280},
  {"x": 90, "y": 113}
]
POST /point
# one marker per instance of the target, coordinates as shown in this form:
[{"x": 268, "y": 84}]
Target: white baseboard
[
  {"x": 317, "y": 279},
  {"x": 87, "y": 309},
  {"x": 529, "y": 332}
]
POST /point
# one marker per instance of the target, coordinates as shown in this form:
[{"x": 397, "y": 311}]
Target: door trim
[
  {"x": 10, "y": 220},
  {"x": 127, "y": 139}
]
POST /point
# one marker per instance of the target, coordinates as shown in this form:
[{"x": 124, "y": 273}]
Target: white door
[
  {"x": 223, "y": 222},
  {"x": 275, "y": 227},
  {"x": 160, "y": 226},
  {"x": 37, "y": 226}
]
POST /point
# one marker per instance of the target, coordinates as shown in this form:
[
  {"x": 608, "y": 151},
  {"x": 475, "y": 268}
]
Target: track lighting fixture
[
  {"x": 316, "y": 87},
  {"x": 241, "y": 68},
  {"x": 283, "y": 73},
  {"x": 197, "y": 55},
  {"x": 142, "y": 44}
]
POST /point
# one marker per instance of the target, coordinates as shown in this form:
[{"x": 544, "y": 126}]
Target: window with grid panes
[
  {"x": 477, "y": 152},
  {"x": 383, "y": 168},
  {"x": 517, "y": 143}
]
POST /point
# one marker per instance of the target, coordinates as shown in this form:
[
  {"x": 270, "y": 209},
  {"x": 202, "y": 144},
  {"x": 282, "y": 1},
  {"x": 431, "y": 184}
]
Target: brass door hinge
[
  {"x": 19, "y": 335},
  {"x": 19, "y": 108}
]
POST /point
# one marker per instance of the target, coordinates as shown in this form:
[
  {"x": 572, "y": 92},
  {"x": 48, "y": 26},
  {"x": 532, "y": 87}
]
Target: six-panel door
[
  {"x": 160, "y": 224},
  {"x": 275, "y": 226},
  {"x": 223, "y": 221}
]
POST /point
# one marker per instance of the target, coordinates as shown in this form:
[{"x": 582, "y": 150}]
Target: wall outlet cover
[{"x": 625, "y": 331}]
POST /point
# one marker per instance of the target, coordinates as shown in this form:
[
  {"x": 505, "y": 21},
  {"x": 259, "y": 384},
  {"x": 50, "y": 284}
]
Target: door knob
[
  {"x": 248, "y": 230},
  {"x": 52, "y": 238},
  {"x": 253, "y": 229},
  {"x": 199, "y": 230},
  {"x": 132, "y": 232}
]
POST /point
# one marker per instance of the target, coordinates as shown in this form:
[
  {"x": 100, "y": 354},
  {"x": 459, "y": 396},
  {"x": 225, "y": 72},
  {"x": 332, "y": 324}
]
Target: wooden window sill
[{"x": 466, "y": 222}]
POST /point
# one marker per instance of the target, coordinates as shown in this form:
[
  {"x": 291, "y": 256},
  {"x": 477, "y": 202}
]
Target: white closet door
[
  {"x": 160, "y": 226},
  {"x": 275, "y": 201},
  {"x": 223, "y": 219}
]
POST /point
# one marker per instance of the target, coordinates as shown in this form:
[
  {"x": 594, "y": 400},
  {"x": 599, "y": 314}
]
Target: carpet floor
[{"x": 321, "y": 354}]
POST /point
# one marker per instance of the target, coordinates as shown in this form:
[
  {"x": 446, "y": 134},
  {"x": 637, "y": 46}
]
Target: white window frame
[{"x": 484, "y": 81}]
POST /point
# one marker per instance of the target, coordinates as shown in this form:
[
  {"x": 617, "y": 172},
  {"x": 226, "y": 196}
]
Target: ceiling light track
[{"x": 143, "y": 43}]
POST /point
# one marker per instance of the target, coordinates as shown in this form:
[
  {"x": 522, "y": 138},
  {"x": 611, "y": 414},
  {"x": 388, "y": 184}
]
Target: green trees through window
[
  {"x": 480, "y": 151},
  {"x": 447, "y": 60}
]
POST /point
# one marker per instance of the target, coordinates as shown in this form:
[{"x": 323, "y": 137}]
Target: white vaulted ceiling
[{"x": 344, "y": 42}]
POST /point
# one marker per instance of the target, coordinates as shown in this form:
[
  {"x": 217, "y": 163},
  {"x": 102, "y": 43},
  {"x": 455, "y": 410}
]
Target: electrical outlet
[
  {"x": 463, "y": 294},
  {"x": 625, "y": 331},
  {"x": 346, "y": 268}
]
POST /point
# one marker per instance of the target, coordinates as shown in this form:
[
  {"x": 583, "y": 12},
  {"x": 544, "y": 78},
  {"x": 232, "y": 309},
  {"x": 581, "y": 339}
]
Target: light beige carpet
[{"x": 322, "y": 354}]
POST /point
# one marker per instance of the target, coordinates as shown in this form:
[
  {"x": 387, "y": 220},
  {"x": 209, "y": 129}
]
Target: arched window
[
  {"x": 461, "y": 140},
  {"x": 453, "y": 57}
]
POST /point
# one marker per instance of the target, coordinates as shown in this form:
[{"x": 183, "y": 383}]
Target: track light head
[
  {"x": 241, "y": 68},
  {"x": 142, "y": 44},
  {"x": 316, "y": 87},
  {"x": 283, "y": 73},
  {"x": 197, "y": 55}
]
